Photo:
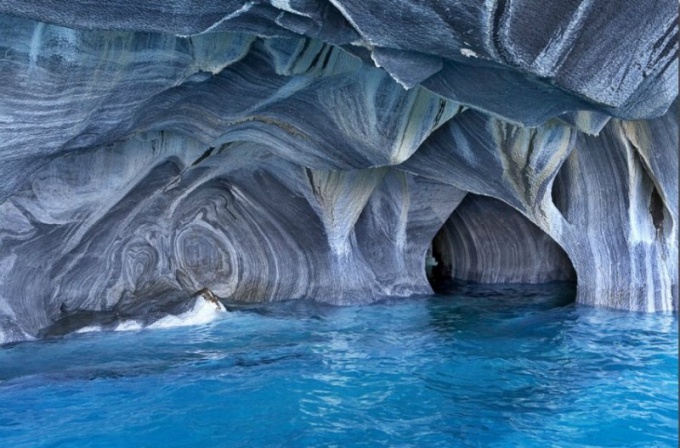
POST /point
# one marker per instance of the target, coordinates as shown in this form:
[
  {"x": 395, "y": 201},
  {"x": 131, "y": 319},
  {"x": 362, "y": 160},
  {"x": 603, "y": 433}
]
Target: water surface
[{"x": 482, "y": 366}]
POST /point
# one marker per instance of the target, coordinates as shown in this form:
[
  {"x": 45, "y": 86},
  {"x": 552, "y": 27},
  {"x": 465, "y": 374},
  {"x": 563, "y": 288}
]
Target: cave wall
[
  {"x": 590, "y": 194},
  {"x": 162, "y": 215},
  {"x": 487, "y": 241},
  {"x": 312, "y": 149}
]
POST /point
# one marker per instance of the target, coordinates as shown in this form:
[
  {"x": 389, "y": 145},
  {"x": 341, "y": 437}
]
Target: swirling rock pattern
[
  {"x": 486, "y": 241},
  {"x": 311, "y": 149},
  {"x": 595, "y": 196}
]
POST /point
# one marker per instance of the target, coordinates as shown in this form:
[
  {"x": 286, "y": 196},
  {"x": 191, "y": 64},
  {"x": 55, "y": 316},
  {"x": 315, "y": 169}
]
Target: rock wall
[
  {"x": 487, "y": 241},
  {"x": 312, "y": 149}
]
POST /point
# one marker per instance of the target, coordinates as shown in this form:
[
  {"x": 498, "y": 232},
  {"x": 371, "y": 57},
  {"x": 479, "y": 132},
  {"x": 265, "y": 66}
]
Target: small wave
[
  {"x": 89, "y": 329},
  {"x": 204, "y": 311},
  {"x": 129, "y": 325}
]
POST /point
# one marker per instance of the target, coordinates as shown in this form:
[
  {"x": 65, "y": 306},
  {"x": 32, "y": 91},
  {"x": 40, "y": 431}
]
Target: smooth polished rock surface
[
  {"x": 596, "y": 196},
  {"x": 311, "y": 149},
  {"x": 487, "y": 241}
]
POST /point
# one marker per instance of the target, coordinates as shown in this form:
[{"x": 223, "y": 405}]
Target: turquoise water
[{"x": 482, "y": 367}]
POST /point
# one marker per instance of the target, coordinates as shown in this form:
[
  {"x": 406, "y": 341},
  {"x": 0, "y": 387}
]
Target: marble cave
[{"x": 343, "y": 151}]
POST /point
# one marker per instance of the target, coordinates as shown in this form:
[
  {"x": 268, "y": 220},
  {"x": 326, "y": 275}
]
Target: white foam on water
[
  {"x": 128, "y": 325},
  {"x": 203, "y": 312},
  {"x": 89, "y": 329}
]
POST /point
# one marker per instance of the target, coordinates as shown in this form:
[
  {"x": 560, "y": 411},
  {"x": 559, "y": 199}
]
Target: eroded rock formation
[
  {"x": 487, "y": 241},
  {"x": 312, "y": 149}
]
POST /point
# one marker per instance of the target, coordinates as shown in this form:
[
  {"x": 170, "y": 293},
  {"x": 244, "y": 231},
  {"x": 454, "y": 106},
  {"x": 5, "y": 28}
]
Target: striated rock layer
[
  {"x": 312, "y": 149},
  {"x": 486, "y": 241}
]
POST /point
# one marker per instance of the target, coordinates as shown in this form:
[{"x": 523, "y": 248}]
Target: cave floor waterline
[{"x": 482, "y": 366}]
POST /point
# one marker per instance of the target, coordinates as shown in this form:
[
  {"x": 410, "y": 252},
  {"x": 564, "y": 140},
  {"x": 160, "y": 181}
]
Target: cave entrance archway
[{"x": 487, "y": 241}]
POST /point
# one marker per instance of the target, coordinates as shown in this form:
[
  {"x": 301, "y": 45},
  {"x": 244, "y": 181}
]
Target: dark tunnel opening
[
  {"x": 487, "y": 242},
  {"x": 438, "y": 272}
]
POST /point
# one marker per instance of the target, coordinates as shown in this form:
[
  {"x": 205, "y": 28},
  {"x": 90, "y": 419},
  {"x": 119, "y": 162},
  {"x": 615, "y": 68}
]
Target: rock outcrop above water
[{"x": 312, "y": 149}]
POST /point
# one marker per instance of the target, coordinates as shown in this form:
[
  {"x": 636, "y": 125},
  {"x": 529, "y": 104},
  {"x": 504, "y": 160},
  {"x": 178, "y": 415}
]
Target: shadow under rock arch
[{"x": 486, "y": 241}]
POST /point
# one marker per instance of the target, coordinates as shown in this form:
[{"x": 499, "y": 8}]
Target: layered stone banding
[{"x": 310, "y": 149}]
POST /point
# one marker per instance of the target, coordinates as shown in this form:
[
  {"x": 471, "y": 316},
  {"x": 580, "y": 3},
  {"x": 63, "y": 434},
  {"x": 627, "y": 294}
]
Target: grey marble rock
[
  {"x": 486, "y": 241},
  {"x": 601, "y": 198},
  {"x": 618, "y": 56},
  {"x": 162, "y": 215},
  {"x": 308, "y": 149}
]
